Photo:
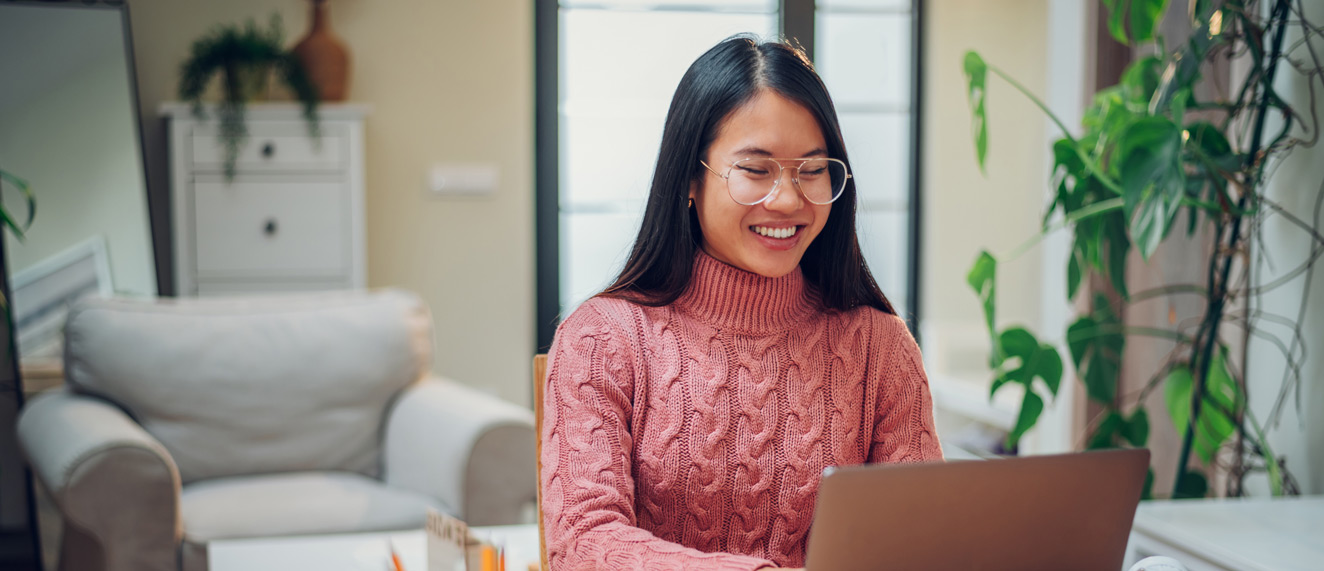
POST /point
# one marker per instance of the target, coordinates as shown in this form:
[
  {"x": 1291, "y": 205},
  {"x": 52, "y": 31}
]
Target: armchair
[{"x": 188, "y": 421}]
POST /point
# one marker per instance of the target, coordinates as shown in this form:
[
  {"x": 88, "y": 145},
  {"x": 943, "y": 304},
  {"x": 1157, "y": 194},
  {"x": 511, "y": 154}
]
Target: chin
[{"x": 772, "y": 268}]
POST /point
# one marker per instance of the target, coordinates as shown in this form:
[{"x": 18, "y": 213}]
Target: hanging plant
[{"x": 245, "y": 57}]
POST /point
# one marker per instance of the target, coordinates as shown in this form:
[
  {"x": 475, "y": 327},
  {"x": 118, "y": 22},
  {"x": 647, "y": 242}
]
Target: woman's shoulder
[
  {"x": 886, "y": 327},
  {"x": 601, "y": 316}
]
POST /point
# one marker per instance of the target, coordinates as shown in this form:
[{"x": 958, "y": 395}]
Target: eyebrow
[{"x": 752, "y": 150}]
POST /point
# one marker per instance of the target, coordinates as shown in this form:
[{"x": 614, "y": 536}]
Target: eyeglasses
[{"x": 752, "y": 181}]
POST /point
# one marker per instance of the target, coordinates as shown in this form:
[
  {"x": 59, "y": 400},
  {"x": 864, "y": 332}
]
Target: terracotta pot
[{"x": 324, "y": 56}]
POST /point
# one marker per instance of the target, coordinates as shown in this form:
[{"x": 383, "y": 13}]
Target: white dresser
[{"x": 292, "y": 217}]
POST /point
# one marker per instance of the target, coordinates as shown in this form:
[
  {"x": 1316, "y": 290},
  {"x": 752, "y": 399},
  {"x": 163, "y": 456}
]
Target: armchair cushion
[
  {"x": 254, "y": 385},
  {"x": 297, "y": 503}
]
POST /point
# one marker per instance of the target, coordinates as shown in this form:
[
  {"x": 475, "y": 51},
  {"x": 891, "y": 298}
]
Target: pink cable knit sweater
[{"x": 693, "y": 436}]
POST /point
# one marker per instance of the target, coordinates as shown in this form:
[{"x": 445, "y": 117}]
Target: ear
[{"x": 694, "y": 189}]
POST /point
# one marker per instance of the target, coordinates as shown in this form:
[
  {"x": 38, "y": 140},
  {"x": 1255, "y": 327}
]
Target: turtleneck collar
[{"x": 731, "y": 298}]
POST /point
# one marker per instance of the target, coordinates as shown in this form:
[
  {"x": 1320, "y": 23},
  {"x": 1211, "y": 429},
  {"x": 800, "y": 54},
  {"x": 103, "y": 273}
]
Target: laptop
[{"x": 1070, "y": 511}]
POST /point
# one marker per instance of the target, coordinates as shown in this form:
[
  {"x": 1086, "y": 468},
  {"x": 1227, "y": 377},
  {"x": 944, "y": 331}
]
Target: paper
[{"x": 446, "y": 541}]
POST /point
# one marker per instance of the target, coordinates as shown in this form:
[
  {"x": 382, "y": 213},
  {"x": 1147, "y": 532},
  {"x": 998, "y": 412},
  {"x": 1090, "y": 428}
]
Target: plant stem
[
  {"x": 1165, "y": 290},
  {"x": 1270, "y": 459},
  {"x": 1108, "y": 329},
  {"x": 1075, "y": 146},
  {"x": 1101, "y": 207},
  {"x": 1218, "y": 290},
  {"x": 1049, "y": 112}
]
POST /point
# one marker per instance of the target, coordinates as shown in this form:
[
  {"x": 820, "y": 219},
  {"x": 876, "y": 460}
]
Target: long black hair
[{"x": 720, "y": 81}]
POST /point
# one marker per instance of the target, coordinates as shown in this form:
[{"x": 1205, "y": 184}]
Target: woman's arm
[
  {"x": 903, "y": 426},
  {"x": 587, "y": 483}
]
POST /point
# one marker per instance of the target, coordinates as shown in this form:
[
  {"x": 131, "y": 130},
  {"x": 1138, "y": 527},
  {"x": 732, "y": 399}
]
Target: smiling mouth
[{"x": 777, "y": 233}]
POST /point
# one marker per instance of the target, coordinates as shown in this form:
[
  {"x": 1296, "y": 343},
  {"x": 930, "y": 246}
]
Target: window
[{"x": 606, "y": 73}]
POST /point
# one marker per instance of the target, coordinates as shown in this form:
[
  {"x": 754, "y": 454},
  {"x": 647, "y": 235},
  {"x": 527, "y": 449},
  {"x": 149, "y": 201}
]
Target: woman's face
[{"x": 769, "y": 125}]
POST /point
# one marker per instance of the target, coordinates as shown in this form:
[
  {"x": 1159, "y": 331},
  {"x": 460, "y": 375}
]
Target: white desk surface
[
  {"x": 1251, "y": 534},
  {"x": 359, "y": 551}
]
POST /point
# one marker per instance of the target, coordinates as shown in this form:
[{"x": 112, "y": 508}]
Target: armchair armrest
[
  {"x": 473, "y": 452},
  {"x": 115, "y": 485}
]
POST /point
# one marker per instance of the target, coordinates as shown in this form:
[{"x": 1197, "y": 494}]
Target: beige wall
[
  {"x": 964, "y": 210},
  {"x": 448, "y": 82},
  {"x": 453, "y": 81}
]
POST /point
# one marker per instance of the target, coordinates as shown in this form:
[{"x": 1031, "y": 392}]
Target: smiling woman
[
  {"x": 748, "y": 218},
  {"x": 691, "y": 407}
]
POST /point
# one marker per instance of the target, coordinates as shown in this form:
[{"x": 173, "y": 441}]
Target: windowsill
[{"x": 967, "y": 397}]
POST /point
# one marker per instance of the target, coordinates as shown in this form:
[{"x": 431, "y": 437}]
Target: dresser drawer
[
  {"x": 273, "y": 146},
  {"x": 251, "y": 229}
]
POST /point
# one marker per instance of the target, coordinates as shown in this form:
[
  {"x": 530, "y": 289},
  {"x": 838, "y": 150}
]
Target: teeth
[{"x": 776, "y": 232}]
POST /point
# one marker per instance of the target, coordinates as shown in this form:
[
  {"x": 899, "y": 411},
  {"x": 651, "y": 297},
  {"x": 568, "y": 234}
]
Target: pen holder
[
  {"x": 451, "y": 547},
  {"x": 447, "y": 542}
]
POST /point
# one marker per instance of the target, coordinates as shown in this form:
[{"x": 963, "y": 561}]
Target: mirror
[{"x": 69, "y": 127}]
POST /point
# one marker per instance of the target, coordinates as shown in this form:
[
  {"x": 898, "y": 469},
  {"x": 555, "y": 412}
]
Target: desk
[
  {"x": 359, "y": 551},
  {"x": 1240, "y": 534}
]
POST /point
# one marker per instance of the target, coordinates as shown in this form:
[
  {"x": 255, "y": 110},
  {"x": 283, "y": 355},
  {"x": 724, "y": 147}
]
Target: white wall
[
  {"x": 1295, "y": 183},
  {"x": 965, "y": 211},
  {"x": 447, "y": 82}
]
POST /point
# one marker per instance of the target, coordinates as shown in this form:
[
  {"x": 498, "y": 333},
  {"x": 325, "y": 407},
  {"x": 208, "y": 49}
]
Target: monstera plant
[{"x": 1148, "y": 149}]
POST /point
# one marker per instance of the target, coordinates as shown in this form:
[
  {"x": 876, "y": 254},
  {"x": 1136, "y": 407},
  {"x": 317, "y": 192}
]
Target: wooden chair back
[{"x": 539, "y": 382}]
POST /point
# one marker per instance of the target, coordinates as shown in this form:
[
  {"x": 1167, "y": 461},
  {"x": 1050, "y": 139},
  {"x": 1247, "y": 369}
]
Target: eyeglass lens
[{"x": 752, "y": 180}]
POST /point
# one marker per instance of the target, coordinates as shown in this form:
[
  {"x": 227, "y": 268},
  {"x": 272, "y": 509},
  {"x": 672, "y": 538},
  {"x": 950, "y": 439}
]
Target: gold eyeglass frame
[{"x": 795, "y": 178}]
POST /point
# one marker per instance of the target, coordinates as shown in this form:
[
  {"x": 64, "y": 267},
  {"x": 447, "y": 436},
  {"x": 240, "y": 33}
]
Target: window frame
[{"x": 796, "y": 19}]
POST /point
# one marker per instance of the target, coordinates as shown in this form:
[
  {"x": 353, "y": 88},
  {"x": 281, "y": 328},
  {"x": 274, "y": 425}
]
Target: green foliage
[
  {"x": 1144, "y": 17},
  {"x": 1021, "y": 359},
  {"x": 1147, "y": 150},
  {"x": 7, "y": 218},
  {"x": 1096, "y": 343},
  {"x": 1115, "y": 429},
  {"x": 29, "y": 200},
  {"x": 983, "y": 279},
  {"x": 1191, "y": 485},
  {"x": 1222, "y": 404},
  {"x": 976, "y": 75},
  {"x": 244, "y": 56},
  {"x": 1151, "y": 174}
]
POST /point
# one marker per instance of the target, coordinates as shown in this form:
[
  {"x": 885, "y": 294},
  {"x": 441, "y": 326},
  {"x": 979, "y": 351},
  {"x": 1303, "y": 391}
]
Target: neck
[{"x": 734, "y": 299}]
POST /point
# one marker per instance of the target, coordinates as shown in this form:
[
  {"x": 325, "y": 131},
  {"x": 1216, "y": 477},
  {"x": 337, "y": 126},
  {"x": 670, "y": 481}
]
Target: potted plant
[
  {"x": 1147, "y": 150},
  {"x": 245, "y": 57}
]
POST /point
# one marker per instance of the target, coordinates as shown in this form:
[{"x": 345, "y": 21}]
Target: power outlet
[{"x": 463, "y": 179}]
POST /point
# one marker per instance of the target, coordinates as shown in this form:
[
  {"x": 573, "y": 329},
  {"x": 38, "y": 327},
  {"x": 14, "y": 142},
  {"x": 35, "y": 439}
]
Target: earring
[{"x": 691, "y": 203}]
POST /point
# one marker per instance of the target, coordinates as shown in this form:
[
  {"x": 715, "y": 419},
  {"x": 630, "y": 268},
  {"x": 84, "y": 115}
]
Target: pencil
[{"x": 395, "y": 558}]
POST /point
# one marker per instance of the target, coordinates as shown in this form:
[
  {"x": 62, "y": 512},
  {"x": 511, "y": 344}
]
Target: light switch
[{"x": 463, "y": 179}]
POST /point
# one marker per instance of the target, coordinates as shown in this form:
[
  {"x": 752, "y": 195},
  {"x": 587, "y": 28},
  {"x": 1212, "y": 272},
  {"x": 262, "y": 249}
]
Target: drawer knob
[
  {"x": 270, "y": 227},
  {"x": 268, "y": 150}
]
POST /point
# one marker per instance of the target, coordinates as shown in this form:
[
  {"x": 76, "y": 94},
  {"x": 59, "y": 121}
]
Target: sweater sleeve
[
  {"x": 587, "y": 477},
  {"x": 903, "y": 424}
]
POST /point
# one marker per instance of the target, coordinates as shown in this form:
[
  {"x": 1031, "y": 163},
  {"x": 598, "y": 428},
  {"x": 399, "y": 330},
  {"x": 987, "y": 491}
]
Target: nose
[{"x": 786, "y": 195}]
